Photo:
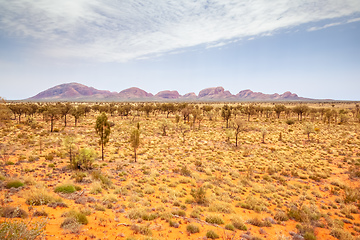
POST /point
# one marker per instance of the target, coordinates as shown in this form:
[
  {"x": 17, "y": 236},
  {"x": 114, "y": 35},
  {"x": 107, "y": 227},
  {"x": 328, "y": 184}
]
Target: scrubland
[{"x": 287, "y": 178}]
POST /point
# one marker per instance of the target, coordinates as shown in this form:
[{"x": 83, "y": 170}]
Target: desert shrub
[
  {"x": 13, "y": 212},
  {"x": 104, "y": 179},
  {"x": 83, "y": 160},
  {"x": 192, "y": 228},
  {"x": 238, "y": 223},
  {"x": 341, "y": 234},
  {"x": 195, "y": 213},
  {"x": 21, "y": 230},
  {"x": 39, "y": 197},
  {"x": 215, "y": 219},
  {"x": 230, "y": 227},
  {"x": 96, "y": 188},
  {"x": 180, "y": 213},
  {"x": 14, "y": 184},
  {"x": 40, "y": 213},
  {"x": 71, "y": 224},
  {"x": 309, "y": 236},
  {"x": 199, "y": 196},
  {"x": 351, "y": 195},
  {"x": 78, "y": 216},
  {"x": 221, "y": 207},
  {"x": 254, "y": 203},
  {"x": 281, "y": 216},
  {"x": 259, "y": 222},
  {"x": 304, "y": 214},
  {"x": 66, "y": 188},
  {"x": 174, "y": 224},
  {"x": 185, "y": 171},
  {"x": 211, "y": 234},
  {"x": 79, "y": 176},
  {"x": 142, "y": 229}
]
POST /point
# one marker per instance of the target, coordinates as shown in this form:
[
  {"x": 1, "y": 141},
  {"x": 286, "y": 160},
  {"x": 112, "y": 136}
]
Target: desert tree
[
  {"x": 226, "y": 114},
  {"x": 52, "y": 114},
  {"x": 102, "y": 128},
  {"x": 278, "y": 109},
  {"x": 185, "y": 112},
  {"x": 5, "y": 112},
  {"x": 199, "y": 119},
  {"x": 238, "y": 127},
  {"x": 268, "y": 111},
  {"x": 65, "y": 110},
  {"x": 195, "y": 113},
  {"x": 301, "y": 110},
  {"x": 206, "y": 109},
  {"x": 135, "y": 140},
  {"x": 249, "y": 110},
  {"x": 168, "y": 108},
  {"x": 18, "y": 110},
  {"x": 69, "y": 144},
  {"x": 77, "y": 112},
  {"x": 308, "y": 129},
  {"x": 147, "y": 108}
]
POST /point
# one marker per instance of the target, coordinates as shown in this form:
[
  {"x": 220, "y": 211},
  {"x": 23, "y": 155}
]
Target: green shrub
[
  {"x": 199, "y": 196},
  {"x": 221, "y": 207},
  {"x": 215, "y": 219},
  {"x": 192, "y": 228},
  {"x": 230, "y": 227},
  {"x": 211, "y": 234},
  {"x": 142, "y": 229},
  {"x": 238, "y": 223},
  {"x": 180, "y": 213},
  {"x": 66, "y": 188},
  {"x": 259, "y": 223},
  {"x": 78, "y": 216},
  {"x": 14, "y": 184}
]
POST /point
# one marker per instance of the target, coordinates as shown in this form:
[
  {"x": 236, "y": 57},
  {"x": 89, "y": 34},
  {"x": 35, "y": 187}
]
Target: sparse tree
[
  {"x": 278, "y": 108},
  {"x": 135, "y": 140},
  {"x": 308, "y": 129},
  {"x": 238, "y": 127},
  {"x": 102, "y": 128},
  {"x": 64, "y": 109},
  {"x": 77, "y": 112},
  {"x": 52, "y": 114},
  {"x": 226, "y": 114},
  {"x": 300, "y": 110},
  {"x": 5, "y": 112},
  {"x": 249, "y": 110}
]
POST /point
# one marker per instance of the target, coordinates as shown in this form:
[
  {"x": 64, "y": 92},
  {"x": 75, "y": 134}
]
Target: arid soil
[{"x": 276, "y": 184}]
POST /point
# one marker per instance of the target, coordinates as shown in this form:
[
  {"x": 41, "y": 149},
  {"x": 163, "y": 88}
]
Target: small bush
[
  {"x": 211, "y": 234},
  {"x": 77, "y": 216},
  {"x": 39, "y": 197},
  {"x": 199, "y": 196},
  {"x": 65, "y": 188},
  {"x": 238, "y": 223},
  {"x": 290, "y": 122},
  {"x": 230, "y": 227},
  {"x": 20, "y": 230},
  {"x": 259, "y": 223},
  {"x": 14, "y": 184},
  {"x": 192, "y": 228},
  {"x": 142, "y": 229},
  {"x": 13, "y": 212},
  {"x": 214, "y": 219}
]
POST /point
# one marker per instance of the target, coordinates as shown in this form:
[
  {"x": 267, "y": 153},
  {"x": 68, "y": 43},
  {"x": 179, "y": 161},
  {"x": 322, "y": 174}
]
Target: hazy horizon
[{"x": 308, "y": 48}]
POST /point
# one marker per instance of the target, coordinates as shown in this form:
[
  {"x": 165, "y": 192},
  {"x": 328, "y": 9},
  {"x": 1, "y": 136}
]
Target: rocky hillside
[{"x": 80, "y": 92}]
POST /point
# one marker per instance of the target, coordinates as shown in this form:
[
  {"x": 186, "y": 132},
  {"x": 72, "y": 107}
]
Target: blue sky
[{"x": 308, "y": 47}]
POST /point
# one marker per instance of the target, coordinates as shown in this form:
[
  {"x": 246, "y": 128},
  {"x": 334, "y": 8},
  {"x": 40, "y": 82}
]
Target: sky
[{"x": 310, "y": 47}]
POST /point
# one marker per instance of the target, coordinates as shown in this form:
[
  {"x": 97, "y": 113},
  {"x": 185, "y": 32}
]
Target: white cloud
[
  {"x": 114, "y": 30},
  {"x": 325, "y": 26}
]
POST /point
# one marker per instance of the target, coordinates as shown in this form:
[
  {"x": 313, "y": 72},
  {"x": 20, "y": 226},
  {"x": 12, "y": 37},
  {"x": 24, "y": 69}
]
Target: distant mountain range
[{"x": 80, "y": 92}]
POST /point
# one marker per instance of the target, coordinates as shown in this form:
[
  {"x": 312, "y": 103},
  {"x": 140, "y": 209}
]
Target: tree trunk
[
  {"x": 51, "y": 124},
  {"x": 102, "y": 150},
  {"x": 135, "y": 153},
  {"x": 65, "y": 120},
  {"x": 236, "y": 140}
]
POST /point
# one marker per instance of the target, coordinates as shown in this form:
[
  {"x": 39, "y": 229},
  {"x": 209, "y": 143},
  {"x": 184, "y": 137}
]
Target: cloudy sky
[{"x": 310, "y": 47}]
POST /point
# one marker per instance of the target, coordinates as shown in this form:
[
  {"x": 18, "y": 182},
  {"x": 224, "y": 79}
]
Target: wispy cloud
[{"x": 113, "y": 30}]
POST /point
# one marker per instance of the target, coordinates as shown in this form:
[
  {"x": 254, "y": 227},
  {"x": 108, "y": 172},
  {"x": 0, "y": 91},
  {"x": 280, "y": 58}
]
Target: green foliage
[
  {"x": 238, "y": 223},
  {"x": 14, "y": 184},
  {"x": 199, "y": 195},
  {"x": 21, "y": 230},
  {"x": 142, "y": 229},
  {"x": 192, "y": 228},
  {"x": 230, "y": 227},
  {"x": 215, "y": 219},
  {"x": 66, "y": 188},
  {"x": 83, "y": 160},
  {"x": 211, "y": 234},
  {"x": 135, "y": 140},
  {"x": 102, "y": 128}
]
